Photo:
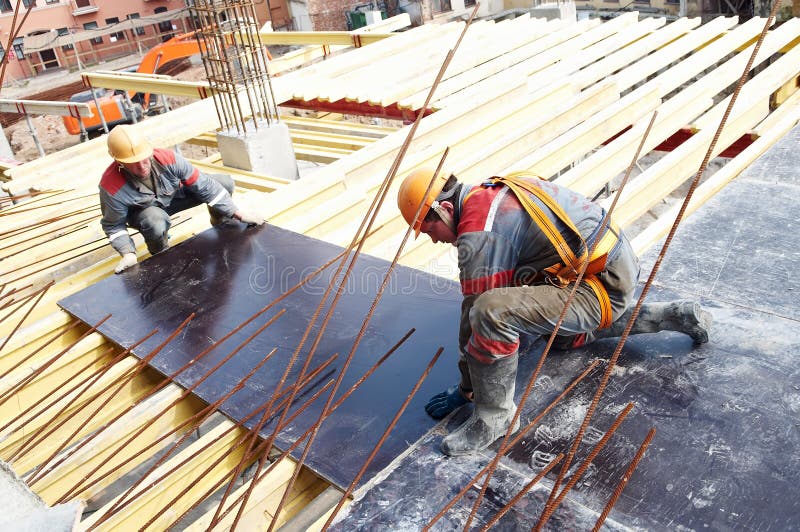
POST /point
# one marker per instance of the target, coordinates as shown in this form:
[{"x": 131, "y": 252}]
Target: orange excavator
[{"x": 121, "y": 107}]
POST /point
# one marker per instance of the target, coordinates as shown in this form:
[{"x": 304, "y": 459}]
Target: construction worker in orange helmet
[
  {"x": 145, "y": 185},
  {"x": 521, "y": 241}
]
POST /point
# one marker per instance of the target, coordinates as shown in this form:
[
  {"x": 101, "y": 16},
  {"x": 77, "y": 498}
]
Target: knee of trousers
[
  {"x": 153, "y": 223},
  {"x": 486, "y": 313}
]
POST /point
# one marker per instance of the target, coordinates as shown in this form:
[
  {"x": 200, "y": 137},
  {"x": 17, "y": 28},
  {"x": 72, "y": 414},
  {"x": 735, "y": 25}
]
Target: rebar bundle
[{"x": 235, "y": 61}]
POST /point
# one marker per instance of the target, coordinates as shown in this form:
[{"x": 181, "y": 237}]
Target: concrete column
[{"x": 267, "y": 150}]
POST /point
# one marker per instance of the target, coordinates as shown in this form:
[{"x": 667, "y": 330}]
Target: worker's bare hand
[
  {"x": 249, "y": 218},
  {"x": 127, "y": 260}
]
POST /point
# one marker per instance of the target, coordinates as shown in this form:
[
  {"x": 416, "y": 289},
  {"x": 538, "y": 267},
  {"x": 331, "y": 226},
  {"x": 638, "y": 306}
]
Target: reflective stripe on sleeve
[{"x": 219, "y": 197}]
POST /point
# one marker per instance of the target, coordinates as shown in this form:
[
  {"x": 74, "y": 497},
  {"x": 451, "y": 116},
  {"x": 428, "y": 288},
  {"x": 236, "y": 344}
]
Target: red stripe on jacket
[
  {"x": 112, "y": 179},
  {"x": 480, "y": 201},
  {"x": 482, "y": 284}
]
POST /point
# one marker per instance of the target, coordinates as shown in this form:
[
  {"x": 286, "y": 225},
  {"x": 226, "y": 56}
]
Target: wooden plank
[
  {"x": 108, "y": 405},
  {"x": 787, "y": 117},
  {"x": 149, "y": 83},
  {"x": 341, "y": 38},
  {"x": 669, "y": 172},
  {"x": 591, "y": 174},
  {"x": 38, "y": 107},
  {"x": 103, "y": 449},
  {"x": 554, "y": 33},
  {"x": 151, "y": 496}
]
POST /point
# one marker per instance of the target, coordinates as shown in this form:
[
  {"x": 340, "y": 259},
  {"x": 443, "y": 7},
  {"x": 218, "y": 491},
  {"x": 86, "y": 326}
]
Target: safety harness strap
[{"x": 567, "y": 271}]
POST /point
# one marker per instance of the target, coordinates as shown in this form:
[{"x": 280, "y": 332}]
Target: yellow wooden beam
[
  {"x": 148, "y": 83},
  {"x": 342, "y": 38}
]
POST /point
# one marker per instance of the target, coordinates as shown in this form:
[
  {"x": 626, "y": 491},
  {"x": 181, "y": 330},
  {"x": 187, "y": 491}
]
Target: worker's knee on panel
[
  {"x": 568, "y": 343},
  {"x": 154, "y": 225},
  {"x": 487, "y": 310}
]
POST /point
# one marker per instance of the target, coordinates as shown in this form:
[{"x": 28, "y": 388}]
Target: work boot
[
  {"x": 681, "y": 316},
  {"x": 158, "y": 245},
  {"x": 493, "y": 395}
]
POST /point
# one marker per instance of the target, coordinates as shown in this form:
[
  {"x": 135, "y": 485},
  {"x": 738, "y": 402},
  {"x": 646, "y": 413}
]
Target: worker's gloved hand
[
  {"x": 249, "y": 218},
  {"x": 445, "y": 402},
  {"x": 127, "y": 260}
]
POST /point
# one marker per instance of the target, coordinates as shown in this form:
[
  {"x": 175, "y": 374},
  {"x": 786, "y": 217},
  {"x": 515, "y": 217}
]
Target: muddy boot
[
  {"x": 681, "y": 316},
  {"x": 493, "y": 395}
]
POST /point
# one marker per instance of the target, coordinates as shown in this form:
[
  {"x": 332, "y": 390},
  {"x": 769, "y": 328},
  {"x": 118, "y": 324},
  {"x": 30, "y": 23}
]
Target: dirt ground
[{"x": 52, "y": 134}]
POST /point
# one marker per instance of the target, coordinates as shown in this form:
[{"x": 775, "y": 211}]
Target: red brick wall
[{"x": 329, "y": 15}]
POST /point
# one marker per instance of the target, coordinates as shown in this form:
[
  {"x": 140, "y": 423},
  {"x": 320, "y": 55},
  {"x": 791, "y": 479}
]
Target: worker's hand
[
  {"x": 445, "y": 402},
  {"x": 127, "y": 260},
  {"x": 249, "y": 218}
]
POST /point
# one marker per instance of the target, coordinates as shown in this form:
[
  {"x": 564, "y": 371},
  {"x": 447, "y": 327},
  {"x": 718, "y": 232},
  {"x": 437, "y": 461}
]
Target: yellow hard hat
[
  {"x": 411, "y": 193},
  {"x": 127, "y": 145}
]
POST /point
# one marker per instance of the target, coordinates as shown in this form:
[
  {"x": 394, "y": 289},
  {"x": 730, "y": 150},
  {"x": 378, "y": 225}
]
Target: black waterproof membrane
[{"x": 227, "y": 275}]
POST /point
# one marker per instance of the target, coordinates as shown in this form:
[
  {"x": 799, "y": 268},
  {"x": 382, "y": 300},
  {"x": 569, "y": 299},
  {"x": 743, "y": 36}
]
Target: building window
[
  {"x": 120, "y": 35},
  {"x": 52, "y": 1},
  {"x": 27, "y": 3},
  {"x": 64, "y": 31},
  {"x": 18, "y": 51},
  {"x": 166, "y": 25},
  {"x": 5, "y": 5},
  {"x": 93, "y": 26},
  {"x": 469, "y": 3},
  {"x": 83, "y": 3},
  {"x": 139, "y": 30},
  {"x": 2, "y": 53}
]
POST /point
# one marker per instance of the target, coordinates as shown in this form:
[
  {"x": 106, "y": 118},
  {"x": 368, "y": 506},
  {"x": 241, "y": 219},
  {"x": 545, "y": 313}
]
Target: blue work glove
[{"x": 445, "y": 402}]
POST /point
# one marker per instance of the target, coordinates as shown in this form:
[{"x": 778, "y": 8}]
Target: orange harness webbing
[{"x": 565, "y": 272}]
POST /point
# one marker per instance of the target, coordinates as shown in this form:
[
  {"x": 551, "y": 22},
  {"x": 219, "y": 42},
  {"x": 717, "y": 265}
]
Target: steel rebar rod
[
  {"x": 624, "y": 481},
  {"x": 19, "y": 304},
  {"x": 256, "y": 451},
  {"x": 35, "y": 439},
  {"x": 504, "y": 449},
  {"x": 550, "y": 509},
  {"x": 86, "y": 383},
  {"x": 52, "y": 360},
  {"x": 356, "y": 342},
  {"x": 185, "y": 393},
  {"x": 521, "y": 493},
  {"x": 197, "y": 358},
  {"x": 62, "y": 231},
  {"x": 381, "y": 441},
  {"x": 338, "y": 403},
  {"x": 122, "y": 501},
  {"x": 678, "y": 219},
  {"x": 570, "y": 298},
  {"x": 31, "y": 226},
  {"x": 13, "y": 32},
  {"x": 202, "y": 416},
  {"x": 365, "y": 226}
]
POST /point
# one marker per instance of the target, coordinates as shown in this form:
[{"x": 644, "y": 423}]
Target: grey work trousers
[
  {"x": 500, "y": 315},
  {"x": 153, "y": 222}
]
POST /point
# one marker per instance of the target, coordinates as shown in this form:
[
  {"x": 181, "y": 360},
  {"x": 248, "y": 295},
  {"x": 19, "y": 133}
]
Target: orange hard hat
[
  {"x": 411, "y": 192},
  {"x": 127, "y": 144}
]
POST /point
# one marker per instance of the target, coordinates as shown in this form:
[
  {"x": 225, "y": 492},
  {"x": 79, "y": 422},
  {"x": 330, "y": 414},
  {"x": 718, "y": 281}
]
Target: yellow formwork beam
[
  {"x": 341, "y": 38},
  {"x": 148, "y": 83},
  {"x": 108, "y": 405},
  {"x": 83, "y": 359},
  {"x": 104, "y": 448},
  {"x": 152, "y": 495}
]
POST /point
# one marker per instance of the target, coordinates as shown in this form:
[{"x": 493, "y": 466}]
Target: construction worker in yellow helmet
[
  {"x": 145, "y": 185},
  {"x": 521, "y": 241}
]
